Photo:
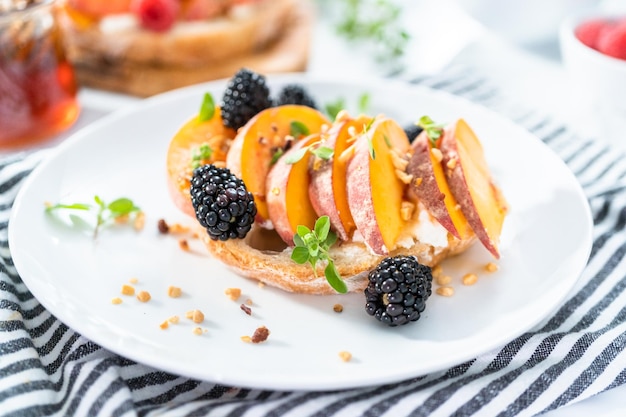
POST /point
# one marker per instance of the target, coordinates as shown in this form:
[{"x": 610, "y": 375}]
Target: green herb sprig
[
  {"x": 376, "y": 22},
  {"x": 322, "y": 152},
  {"x": 207, "y": 109},
  {"x": 433, "y": 130},
  {"x": 312, "y": 246},
  {"x": 105, "y": 212},
  {"x": 200, "y": 154}
]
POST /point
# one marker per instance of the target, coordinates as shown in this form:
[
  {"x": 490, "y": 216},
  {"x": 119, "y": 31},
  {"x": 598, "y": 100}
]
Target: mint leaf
[
  {"x": 333, "y": 278},
  {"x": 323, "y": 152},
  {"x": 207, "y": 109},
  {"x": 300, "y": 254},
  {"x": 298, "y": 129},
  {"x": 295, "y": 156}
]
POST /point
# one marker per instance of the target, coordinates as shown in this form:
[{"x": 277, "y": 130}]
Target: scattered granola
[
  {"x": 345, "y": 356},
  {"x": 197, "y": 331},
  {"x": 140, "y": 221},
  {"x": 233, "y": 293},
  {"x": 163, "y": 226},
  {"x": 183, "y": 244},
  {"x": 174, "y": 292},
  {"x": 246, "y": 309},
  {"x": 174, "y": 319},
  {"x": 443, "y": 279},
  {"x": 469, "y": 279},
  {"x": 197, "y": 316},
  {"x": 491, "y": 267},
  {"x": 128, "y": 289},
  {"x": 445, "y": 291},
  {"x": 116, "y": 300},
  {"x": 133, "y": 280},
  {"x": 143, "y": 296},
  {"x": 260, "y": 335},
  {"x": 164, "y": 325}
]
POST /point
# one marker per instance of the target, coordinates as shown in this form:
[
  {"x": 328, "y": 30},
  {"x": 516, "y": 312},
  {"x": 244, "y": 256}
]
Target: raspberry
[
  {"x": 613, "y": 41},
  {"x": 223, "y": 205},
  {"x": 398, "y": 289},
  {"x": 589, "y": 32},
  {"x": 156, "y": 15}
]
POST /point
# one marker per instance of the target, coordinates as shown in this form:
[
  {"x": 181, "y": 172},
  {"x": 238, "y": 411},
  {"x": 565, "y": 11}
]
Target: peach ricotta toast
[
  {"x": 320, "y": 205},
  {"x": 144, "y": 47}
]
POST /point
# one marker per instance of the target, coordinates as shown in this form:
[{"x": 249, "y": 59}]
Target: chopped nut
[
  {"x": 406, "y": 210},
  {"x": 469, "y": 279},
  {"x": 133, "y": 280},
  {"x": 246, "y": 309},
  {"x": 445, "y": 291},
  {"x": 128, "y": 289},
  {"x": 443, "y": 279},
  {"x": 437, "y": 154},
  {"x": 197, "y": 316},
  {"x": 491, "y": 267},
  {"x": 418, "y": 181},
  {"x": 246, "y": 339},
  {"x": 189, "y": 314},
  {"x": 174, "y": 319},
  {"x": 174, "y": 292},
  {"x": 233, "y": 293},
  {"x": 260, "y": 335},
  {"x": 116, "y": 300},
  {"x": 183, "y": 244},
  {"x": 144, "y": 296},
  {"x": 164, "y": 325},
  {"x": 399, "y": 162},
  {"x": 451, "y": 163},
  {"x": 275, "y": 190},
  {"x": 178, "y": 228},
  {"x": 121, "y": 219},
  {"x": 337, "y": 308},
  {"x": 403, "y": 176},
  {"x": 163, "y": 227},
  {"x": 140, "y": 220},
  {"x": 345, "y": 356},
  {"x": 248, "y": 302},
  {"x": 352, "y": 131},
  {"x": 197, "y": 331}
]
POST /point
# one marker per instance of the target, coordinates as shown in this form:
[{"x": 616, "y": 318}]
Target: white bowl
[{"x": 597, "y": 83}]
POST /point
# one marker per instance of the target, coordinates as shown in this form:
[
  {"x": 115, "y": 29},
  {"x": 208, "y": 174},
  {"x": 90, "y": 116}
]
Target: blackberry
[
  {"x": 398, "y": 289},
  {"x": 295, "y": 94},
  {"x": 222, "y": 203},
  {"x": 412, "y": 131},
  {"x": 246, "y": 94}
]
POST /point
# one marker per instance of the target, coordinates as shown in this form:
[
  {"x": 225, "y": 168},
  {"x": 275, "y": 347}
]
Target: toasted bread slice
[{"x": 264, "y": 257}]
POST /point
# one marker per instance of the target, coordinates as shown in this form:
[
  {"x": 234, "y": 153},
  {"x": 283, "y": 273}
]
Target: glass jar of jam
[{"x": 37, "y": 84}]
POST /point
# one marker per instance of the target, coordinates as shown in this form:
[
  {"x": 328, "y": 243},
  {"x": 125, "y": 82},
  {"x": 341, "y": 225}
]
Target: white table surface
[{"x": 532, "y": 75}]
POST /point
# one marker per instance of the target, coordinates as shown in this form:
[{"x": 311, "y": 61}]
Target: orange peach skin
[
  {"x": 251, "y": 152},
  {"x": 471, "y": 183},
  {"x": 180, "y": 153},
  {"x": 431, "y": 187},
  {"x": 327, "y": 190},
  {"x": 375, "y": 193},
  {"x": 288, "y": 201}
]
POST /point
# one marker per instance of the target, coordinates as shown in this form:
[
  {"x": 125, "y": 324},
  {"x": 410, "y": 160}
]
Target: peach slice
[
  {"x": 327, "y": 190},
  {"x": 431, "y": 186},
  {"x": 260, "y": 140},
  {"x": 288, "y": 203},
  {"x": 180, "y": 154},
  {"x": 471, "y": 184},
  {"x": 375, "y": 191}
]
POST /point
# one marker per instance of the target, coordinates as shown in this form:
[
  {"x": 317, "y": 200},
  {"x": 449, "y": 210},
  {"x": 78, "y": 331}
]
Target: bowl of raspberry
[{"x": 593, "y": 49}]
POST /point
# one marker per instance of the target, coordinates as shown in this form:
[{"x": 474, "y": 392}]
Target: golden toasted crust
[
  {"x": 274, "y": 39},
  {"x": 352, "y": 260}
]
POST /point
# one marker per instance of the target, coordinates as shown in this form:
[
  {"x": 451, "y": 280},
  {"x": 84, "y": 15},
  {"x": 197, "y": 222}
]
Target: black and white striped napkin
[{"x": 48, "y": 369}]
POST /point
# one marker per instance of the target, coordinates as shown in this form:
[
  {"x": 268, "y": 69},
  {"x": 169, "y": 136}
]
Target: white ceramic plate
[{"x": 75, "y": 277}]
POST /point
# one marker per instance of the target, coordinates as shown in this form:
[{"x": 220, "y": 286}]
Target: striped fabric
[{"x": 48, "y": 369}]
